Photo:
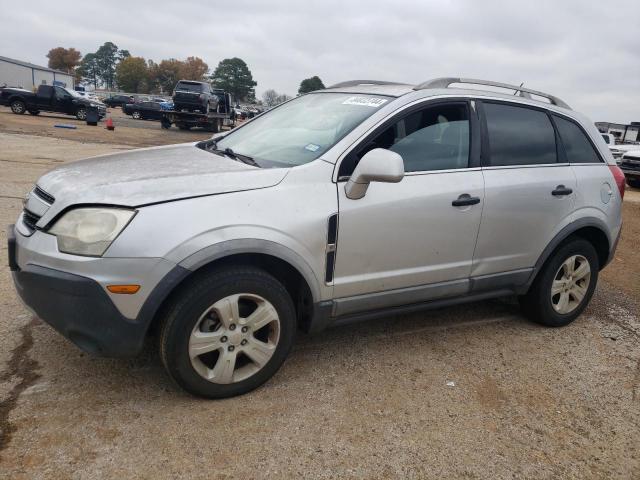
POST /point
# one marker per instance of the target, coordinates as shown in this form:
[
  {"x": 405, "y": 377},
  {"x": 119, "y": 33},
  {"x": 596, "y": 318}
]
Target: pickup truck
[{"x": 49, "y": 98}]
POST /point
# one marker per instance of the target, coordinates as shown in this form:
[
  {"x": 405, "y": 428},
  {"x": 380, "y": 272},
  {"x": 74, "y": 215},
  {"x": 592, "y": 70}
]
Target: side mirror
[{"x": 377, "y": 165}]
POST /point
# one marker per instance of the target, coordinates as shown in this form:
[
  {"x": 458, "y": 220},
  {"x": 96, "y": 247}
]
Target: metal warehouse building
[{"x": 15, "y": 73}]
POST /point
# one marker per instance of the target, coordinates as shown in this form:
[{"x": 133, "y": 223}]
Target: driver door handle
[
  {"x": 561, "y": 190},
  {"x": 464, "y": 200}
]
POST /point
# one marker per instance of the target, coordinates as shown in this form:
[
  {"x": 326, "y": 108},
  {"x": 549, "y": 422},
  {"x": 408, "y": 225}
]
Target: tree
[
  {"x": 233, "y": 76},
  {"x": 166, "y": 74},
  {"x": 89, "y": 70},
  {"x": 271, "y": 98},
  {"x": 132, "y": 75},
  {"x": 311, "y": 84},
  {"x": 107, "y": 57},
  {"x": 65, "y": 59},
  {"x": 194, "y": 68}
]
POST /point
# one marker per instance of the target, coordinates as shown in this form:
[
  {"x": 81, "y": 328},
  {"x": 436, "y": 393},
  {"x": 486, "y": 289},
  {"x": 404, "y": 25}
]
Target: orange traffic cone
[{"x": 109, "y": 124}]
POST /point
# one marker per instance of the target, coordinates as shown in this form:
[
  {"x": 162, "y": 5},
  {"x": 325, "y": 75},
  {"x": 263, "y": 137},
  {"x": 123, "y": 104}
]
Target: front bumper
[
  {"x": 78, "y": 308},
  {"x": 69, "y": 293}
]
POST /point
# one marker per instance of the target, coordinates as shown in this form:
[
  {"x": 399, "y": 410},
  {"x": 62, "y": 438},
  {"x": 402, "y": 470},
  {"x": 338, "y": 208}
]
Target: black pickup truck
[{"x": 49, "y": 98}]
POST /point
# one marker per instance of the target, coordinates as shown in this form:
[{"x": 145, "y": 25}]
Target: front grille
[
  {"x": 43, "y": 195},
  {"x": 30, "y": 219}
]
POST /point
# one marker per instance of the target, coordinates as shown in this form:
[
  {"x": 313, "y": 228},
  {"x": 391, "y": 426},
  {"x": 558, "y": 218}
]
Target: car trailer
[{"x": 212, "y": 121}]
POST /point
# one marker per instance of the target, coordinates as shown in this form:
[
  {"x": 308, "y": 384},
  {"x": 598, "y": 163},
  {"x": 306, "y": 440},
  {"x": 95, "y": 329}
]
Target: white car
[{"x": 617, "y": 150}]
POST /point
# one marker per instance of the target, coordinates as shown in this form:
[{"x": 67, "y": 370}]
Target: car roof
[{"x": 440, "y": 87}]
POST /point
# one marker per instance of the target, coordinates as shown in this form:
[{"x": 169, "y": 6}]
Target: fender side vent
[
  {"x": 332, "y": 239},
  {"x": 331, "y": 260}
]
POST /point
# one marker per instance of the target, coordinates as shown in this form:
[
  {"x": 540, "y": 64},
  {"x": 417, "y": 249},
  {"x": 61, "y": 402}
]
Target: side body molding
[{"x": 254, "y": 245}]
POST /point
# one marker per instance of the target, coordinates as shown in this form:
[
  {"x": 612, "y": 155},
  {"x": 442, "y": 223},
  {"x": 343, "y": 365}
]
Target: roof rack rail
[
  {"x": 355, "y": 83},
  {"x": 521, "y": 91}
]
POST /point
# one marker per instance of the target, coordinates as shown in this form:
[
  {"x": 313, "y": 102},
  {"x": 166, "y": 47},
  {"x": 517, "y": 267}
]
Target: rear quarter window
[
  {"x": 577, "y": 146},
  {"x": 519, "y": 136}
]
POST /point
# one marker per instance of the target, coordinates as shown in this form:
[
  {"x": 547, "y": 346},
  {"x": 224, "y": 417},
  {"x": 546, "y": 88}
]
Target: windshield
[
  {"x": 73, "y": 93},
  {"x": 301, "y": 130}
]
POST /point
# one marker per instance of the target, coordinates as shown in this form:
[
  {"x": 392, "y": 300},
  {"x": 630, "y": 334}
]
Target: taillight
[{"x": 618, "y": 176}]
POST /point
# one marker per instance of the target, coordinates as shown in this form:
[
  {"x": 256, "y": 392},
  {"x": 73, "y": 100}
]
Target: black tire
[
  {"x": 633, "y": 182},
  {"x": 183, "y": 313},
  {"x": 136, "y": 115},
  {"x": 81, "y": 113},
  {"x": 34, "y": 112},
  {"x": 537, "y": 303},
  {"x": 18, "y": 107},
  {"x": 165, "y": 123}
]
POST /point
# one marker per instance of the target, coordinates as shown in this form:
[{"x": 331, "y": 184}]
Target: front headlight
[{"x": 90, "y": 231}]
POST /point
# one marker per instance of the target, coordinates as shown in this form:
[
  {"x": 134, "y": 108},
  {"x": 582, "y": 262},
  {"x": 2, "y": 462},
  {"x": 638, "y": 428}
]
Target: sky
[{"x": 586, "y": 52}]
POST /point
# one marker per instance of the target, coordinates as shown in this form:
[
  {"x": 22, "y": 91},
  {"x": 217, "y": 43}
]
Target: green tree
[
  {"x": 88, "y": 69},
  {"x": 107, "y": 57},
  {"x": 65, "y": 59},
  {"x": 132, "y": 75},
  {"x": 233, "y": 76},
  {"x": 310, "y": 84}
]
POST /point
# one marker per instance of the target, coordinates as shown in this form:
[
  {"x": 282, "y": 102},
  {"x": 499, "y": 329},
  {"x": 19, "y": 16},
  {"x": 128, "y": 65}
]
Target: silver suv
[{"x": 361, "y": 200}]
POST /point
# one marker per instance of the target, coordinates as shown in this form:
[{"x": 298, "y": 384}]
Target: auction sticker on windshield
[{"x": 374, "y": 102}]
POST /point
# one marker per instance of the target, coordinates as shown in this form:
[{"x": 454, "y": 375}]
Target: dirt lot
[{"x": 468, "y": 392}]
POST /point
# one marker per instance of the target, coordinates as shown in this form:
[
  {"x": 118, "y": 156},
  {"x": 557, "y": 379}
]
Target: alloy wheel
[
  {"x": 570, "y": 284},
  {"x": 234, "y": 338}
]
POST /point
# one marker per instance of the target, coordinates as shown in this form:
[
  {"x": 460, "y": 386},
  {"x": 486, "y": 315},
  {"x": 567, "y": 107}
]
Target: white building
[{"x": 15, "y": 73}]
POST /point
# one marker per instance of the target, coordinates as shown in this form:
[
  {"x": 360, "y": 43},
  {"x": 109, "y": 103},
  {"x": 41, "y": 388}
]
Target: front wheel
[
  {"x": 564, "y": 286},
  {"x": 227, "y": 332},
  {"x": 136, "y": 115},
  {"x": 81, "y": 113},
  {"x": 18, "y": 107}
]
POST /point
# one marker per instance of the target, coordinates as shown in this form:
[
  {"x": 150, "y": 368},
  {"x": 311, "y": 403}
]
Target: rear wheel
[
  {"x": 18, "y": 107},
  {"x": 227, "y": 332},
  {"x": 564, "y": 286}
]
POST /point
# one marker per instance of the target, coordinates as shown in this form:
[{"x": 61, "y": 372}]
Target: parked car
[
  {"x": 610, "y": 140},
  {"x": 144, "y": 110},
  {"x": 361, "y": 200},
  {"x": 118, "y": 100},
  {"x": 50, "y": 98},
  {"x": 630, "y": 165},
  {"x": 194, "y": 97}
]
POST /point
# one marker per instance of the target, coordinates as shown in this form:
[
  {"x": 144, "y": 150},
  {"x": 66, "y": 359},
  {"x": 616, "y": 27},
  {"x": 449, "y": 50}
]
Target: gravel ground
[{"x": 467, "y": 392}]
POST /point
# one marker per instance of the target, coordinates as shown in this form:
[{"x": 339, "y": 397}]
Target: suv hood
[{"x": 152, "y": 175}]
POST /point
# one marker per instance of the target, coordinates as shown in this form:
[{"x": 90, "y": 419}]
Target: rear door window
[
  {"x": 519, "y": 136},
  {"x": 577, "y": 146}
]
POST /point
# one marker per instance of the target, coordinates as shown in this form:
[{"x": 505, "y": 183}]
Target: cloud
[{"x": 584, "y": 52}]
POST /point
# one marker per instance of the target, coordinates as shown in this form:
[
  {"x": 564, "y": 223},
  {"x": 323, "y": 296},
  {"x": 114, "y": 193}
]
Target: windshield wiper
[
  {"x": 238, "y": 156},
  {"x": 212, "y": 147}
]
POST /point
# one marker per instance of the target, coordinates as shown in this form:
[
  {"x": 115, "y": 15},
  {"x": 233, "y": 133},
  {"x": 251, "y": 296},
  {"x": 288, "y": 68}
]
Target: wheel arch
[
  {"x": 593, "y": 230},
  {"x": 286, "y": 266}
]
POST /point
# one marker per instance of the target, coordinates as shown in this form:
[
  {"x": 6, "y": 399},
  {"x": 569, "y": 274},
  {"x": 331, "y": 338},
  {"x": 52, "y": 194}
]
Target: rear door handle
[
  {"x": 561, "y": 190},
  {"x": 464, "y": 200}
]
